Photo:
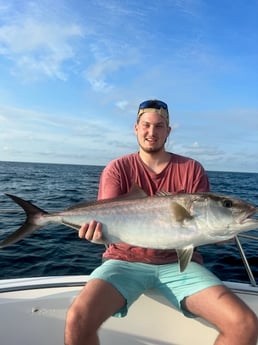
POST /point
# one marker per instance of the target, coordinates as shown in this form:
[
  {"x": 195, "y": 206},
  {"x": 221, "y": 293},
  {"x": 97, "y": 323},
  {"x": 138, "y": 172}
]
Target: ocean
[{"x": 57, "y": 250}]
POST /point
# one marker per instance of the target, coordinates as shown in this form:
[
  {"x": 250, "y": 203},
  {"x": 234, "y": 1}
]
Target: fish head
[{"x": 222, "y": 215}]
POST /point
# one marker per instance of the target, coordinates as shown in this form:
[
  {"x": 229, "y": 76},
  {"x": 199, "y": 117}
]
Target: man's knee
[
  {"x": 72, "y": 318},
  {"x": 244, "y": 325},
  {"x": 250, "y": 324},
  {"x": 79, "y": 315},
  {"x": 78, "y": 326}
]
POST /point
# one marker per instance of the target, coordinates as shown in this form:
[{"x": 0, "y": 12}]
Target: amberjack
[{"x": 164, "y": 221}]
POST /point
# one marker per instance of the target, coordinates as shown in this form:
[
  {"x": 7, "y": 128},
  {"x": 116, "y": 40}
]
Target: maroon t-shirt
[{"x": 181, "y": 175}]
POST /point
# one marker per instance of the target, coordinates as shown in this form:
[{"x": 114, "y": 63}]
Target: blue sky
[{"x": 72, "y": 74}]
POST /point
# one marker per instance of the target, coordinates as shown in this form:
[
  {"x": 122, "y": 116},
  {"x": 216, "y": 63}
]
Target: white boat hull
[{"x": 32, "y": 312}]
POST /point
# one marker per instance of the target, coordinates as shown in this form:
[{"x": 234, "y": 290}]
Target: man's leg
[
  {"x": 97, "y": 302},
  {"x": 236, "y": 323}
]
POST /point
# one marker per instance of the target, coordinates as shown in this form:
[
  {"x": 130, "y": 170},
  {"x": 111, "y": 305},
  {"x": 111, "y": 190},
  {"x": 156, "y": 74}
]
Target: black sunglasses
[{"x": 155, "y": 104}]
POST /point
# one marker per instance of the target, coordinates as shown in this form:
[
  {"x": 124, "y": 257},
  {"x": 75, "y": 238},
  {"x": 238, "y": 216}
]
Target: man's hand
[{"x": 92, "y": 232}]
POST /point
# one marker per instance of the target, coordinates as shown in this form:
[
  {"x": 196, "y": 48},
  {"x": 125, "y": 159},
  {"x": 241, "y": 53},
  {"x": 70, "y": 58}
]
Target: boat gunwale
[{"x": 48, "y": 282}]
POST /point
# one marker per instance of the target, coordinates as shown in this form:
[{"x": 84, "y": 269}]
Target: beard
[{"x": 152, "y": 149}]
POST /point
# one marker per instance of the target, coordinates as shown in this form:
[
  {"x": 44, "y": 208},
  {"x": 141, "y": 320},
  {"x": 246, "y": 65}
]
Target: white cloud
[
  {"x": 31, "y": 134},
  {"x": 38, "y": 46},
  {"x": 95, "y": 60},
  {"x": 122, "y": 104},
  {"x": 109, "y": 58},
  {"x": 195, "y": 145}
]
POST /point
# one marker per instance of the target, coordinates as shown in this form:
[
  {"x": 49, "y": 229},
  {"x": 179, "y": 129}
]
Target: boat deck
[{"x": 33, "y": 312}]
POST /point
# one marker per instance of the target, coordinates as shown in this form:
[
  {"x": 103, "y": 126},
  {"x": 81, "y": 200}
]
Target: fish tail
[{"x": 31, "y": 224}]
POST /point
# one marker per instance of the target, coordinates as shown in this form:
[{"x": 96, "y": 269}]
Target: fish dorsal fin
[
  {"x": 162, "y": 193},
  {"x": 134, "y": 193},
  {"x": 184, "y": 256},
  {"x": 179, "y": 212}
]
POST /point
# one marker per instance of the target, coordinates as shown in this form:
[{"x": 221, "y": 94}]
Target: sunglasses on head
[{"x": 154, "y": 104}]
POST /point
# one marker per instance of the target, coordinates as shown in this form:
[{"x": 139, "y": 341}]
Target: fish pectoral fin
[
  {"x": 179, "y": 212},
  {"x": 71, "y": 225},
  {"x": 184, "y": 256}
]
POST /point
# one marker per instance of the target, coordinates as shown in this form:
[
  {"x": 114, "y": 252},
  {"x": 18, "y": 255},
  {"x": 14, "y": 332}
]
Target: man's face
[{"x": 152, "y": 132}]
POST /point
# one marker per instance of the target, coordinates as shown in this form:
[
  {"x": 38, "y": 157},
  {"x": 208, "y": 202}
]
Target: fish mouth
[{"x": 247, "y": 216}]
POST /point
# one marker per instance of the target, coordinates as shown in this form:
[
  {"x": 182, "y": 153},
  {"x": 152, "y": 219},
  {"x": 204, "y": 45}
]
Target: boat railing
[{"x": 244, "y": 258}]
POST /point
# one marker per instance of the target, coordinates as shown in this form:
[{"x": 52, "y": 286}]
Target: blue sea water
[{"x": 57, "y": 250}]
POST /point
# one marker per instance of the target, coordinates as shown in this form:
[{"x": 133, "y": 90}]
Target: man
[{"x": 119, "y": 281}]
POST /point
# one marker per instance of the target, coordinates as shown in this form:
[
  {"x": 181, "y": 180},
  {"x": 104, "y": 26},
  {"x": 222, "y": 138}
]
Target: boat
[{"x": 33, "y": 311}]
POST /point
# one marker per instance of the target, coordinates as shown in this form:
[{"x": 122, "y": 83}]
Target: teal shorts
[{"x": 132, "y": 279}]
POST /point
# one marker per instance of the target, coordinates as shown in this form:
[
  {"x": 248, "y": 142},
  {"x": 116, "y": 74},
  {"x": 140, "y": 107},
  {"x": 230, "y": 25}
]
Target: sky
[{"x": 72, "y": 75}]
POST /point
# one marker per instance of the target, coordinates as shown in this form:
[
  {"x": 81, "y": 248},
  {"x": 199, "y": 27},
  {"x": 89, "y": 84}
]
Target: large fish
[{"x": 163, "y": 221}]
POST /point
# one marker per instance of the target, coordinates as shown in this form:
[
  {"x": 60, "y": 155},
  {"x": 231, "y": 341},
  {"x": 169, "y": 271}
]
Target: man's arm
[
  {"x": 108, "y": 189},
  {"x": 200, "y": 181}
]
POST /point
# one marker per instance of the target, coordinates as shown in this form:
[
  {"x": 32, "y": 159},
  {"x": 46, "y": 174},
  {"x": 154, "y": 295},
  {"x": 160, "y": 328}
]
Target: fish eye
[{"x": 227, "y": 203}]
